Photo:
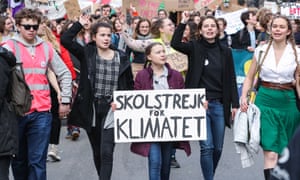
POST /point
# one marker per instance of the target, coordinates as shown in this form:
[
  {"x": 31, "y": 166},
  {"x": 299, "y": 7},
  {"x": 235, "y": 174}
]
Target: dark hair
[
  {"x": 135, "y": 18},
  {"x": 162, "y": 10},
  {"x": 2, "y": 23},
  {"x": 106, "y": 6},
  {"x": 193, "y": 30},
  {"x": 65, "y": 27},
  {"x": 148, "y": 51},
  {"x": 137, "y": 29},
  {"x": 246, "y": 15},
  {"x": 204, "y": 19},
  {"x": 114, "y": 23},
  {"x": 209, "y": 10},
  {"x": 223, "y": 20},
  {"x": 95, "y": 27},
  {"x": 27, "y": 13}
]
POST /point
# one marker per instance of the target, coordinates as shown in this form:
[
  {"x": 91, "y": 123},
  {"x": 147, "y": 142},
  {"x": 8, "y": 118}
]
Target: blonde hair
[{"x": 49, "y": 37}]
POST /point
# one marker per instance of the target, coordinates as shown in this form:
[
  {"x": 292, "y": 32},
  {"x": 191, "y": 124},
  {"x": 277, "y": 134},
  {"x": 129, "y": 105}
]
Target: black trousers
[
  {"x": 56, "y": 122},
  {"x": 4, "y": 167},
  {"x": 102, "y": 142}
]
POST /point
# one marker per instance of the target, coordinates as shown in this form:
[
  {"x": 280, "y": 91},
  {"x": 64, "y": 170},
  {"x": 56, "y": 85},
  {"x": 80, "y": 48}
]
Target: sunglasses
[{"x": 28, "y": 26}]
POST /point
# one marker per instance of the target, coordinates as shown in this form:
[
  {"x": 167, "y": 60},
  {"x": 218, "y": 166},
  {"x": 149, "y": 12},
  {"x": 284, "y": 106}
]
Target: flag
[{"x": 242, "y": 60}]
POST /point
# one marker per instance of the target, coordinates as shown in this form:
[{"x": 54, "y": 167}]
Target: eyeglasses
[{"x": 28, "y": 26}]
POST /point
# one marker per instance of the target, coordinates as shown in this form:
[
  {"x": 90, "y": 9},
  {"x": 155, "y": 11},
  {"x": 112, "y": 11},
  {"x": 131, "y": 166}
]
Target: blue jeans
[
  {"x": 34, "y": 133},
  {"x": 159, "y": 160},
  {"x": 211, "y": 149}
]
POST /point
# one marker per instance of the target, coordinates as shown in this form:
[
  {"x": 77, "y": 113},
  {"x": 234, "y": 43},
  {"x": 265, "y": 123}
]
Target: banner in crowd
[
  {"x": 54, "y": 9},
  {"x": 179, "y": 5},
  {"x": 271, "y": 5},
  {"x": 234, "y": 22},
  {"x": 291, "y": 10},
  {"x": 159, "y": 115},
  {"x": 242, "y": 61},
  {"x": 145, "y": 8}
]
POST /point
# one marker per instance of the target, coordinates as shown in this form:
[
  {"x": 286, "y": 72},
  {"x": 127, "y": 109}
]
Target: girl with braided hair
[{"x": 276, "y": 96}]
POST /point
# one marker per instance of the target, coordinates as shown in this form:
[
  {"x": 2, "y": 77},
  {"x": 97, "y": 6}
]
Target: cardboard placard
[
  {"x": 159, "y": 115},
  {"x": 72, "y": 9},
  {"x": 179, "y": 5},
  {"x": 178, "y": 61},
  {"x": 145, "y": 8}
]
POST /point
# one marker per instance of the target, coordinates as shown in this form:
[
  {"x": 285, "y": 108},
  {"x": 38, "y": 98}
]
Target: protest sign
[
  {"x": 234, "y": 22},
  {"x": 159, "y": 115},
  {"x": 145, "y": 8},
  {"x": 179, "y": 5},
  {"x": 72, "y": 8},
  {"x": 55, "y": 9},
  {"x": 178, "y": 61},
  {"x": 291, "y": 10}
]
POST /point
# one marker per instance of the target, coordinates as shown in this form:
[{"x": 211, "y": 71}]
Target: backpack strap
[{"x": 17, "y": 51}]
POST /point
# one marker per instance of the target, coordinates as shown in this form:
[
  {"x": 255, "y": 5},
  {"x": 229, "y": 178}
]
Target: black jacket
[
  {"x": 8, "y": 119},
  {"x": 196, "y": 57},
  {"x": 241, "y": 39},
  {"x": 82, "y": 110}
]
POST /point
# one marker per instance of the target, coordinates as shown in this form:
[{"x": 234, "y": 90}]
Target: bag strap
[{"x": 259, "y": 65}]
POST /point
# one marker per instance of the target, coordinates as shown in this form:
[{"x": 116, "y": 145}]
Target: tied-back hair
[
  {"x": 148, "y": 50},
  {"x": 155, "y": 27},
  {"x": 97, "y": 25},
  {"x": 201, "y": 24},
  {"x": 290, "y": 38}
]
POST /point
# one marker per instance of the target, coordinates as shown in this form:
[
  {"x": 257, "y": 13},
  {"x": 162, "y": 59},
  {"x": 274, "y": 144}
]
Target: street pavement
[{"x": 77, "y": 163}]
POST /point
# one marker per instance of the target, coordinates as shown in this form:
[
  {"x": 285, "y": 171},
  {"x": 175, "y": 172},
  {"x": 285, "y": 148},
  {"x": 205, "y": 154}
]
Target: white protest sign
[
  {"x": 234, "y": 23},
  {"x": 54, "y": 9},
  {"x": 271, "y": 5},
  {"x": 159, "y": 115},
  {"x": 291, "y": 10}
]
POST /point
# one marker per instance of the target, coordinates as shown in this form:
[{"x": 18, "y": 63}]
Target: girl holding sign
[
  {"x": 103, "y": 70},
  {"x": 210, "y": 67},
  {"x": 158, "y": 75}
]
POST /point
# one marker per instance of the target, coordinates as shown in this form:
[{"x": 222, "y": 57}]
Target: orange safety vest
[{"x": 35, "y": 67}]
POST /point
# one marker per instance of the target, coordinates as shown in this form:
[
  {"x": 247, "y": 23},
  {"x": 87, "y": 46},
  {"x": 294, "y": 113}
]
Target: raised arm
[
  {"x": 67, "y": 38},
  {"x": 176, "y": 41},
  {"x": 136, "y": 45}
]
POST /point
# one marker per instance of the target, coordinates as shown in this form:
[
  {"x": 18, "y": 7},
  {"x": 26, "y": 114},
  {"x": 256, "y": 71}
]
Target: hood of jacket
[{"x": 18, "y": 38}]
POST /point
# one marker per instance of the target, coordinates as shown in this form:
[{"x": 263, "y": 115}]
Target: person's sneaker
[
  {"x": 69, "y": 134},
  {"x": 53, "y": 153},
  {"x": 174, "y": 163},
  {"x": 75, "y": 133}
]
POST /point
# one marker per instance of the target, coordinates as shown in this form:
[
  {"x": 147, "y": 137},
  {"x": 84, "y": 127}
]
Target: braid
[
  {"x": 292, "y": 41},
  {"x": 264, "y": 57}
]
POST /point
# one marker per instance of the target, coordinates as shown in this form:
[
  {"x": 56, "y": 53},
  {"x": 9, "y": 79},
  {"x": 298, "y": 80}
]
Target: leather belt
[{"x": 285, "y": 86}]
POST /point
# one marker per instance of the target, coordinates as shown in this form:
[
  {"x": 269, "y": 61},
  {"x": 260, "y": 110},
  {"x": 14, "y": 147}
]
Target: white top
[{"x": 284, "y": 71}]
